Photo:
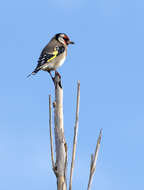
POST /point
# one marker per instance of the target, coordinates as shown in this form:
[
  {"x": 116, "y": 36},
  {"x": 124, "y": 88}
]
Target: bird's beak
[{"x": 70, "y": 42}]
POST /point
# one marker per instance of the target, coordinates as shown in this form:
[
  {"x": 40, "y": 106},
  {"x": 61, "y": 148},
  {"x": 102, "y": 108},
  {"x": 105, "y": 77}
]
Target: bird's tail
[{"x": 34, "y": 72}]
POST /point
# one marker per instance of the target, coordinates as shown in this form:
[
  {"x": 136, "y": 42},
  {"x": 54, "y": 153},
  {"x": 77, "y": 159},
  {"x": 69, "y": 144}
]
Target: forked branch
[{"x": 60, "y": 165}]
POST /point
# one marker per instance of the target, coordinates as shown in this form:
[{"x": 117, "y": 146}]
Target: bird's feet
[
  {"x": 57, "y": 73},
  {"x": 56, "y": 79},
  {"x": 59, "y": 76}
]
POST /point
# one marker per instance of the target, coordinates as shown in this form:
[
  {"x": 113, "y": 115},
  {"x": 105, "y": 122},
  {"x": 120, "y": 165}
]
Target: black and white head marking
[{"x": 62, "y": 38}]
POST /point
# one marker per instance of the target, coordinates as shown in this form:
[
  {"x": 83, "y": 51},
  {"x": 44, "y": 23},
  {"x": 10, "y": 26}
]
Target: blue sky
[{"x": 108, "y": 60}]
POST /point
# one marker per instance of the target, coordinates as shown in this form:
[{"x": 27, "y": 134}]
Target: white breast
[{"x": 59, "y": 63}]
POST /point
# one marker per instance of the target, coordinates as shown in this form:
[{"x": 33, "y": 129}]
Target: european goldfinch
[{"x": 54, "y": 54}]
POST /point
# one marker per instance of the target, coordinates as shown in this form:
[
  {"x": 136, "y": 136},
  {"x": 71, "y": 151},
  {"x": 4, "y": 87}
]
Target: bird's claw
[
  {"x": 57, "y": 73},
  {"x": 59, "y": 83}
]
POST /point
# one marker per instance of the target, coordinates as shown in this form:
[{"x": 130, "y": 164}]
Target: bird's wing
[{"x": 47, "y": 57}]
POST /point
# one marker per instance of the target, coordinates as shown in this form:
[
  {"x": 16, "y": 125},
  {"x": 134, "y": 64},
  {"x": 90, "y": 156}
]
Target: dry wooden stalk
[
  {"x": 60, "y": 166},
  {"x": 93, "y": 161},
  {"x": 60, "y": 143},
  {"x": 75, "y": 135}
]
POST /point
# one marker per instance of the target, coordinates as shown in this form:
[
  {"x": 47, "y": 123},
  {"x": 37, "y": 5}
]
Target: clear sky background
[{"x": 107, "y": 58}]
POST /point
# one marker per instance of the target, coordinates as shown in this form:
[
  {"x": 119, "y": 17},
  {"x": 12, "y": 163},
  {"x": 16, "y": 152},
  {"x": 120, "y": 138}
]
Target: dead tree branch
[
  {"x": 60, "y": 143},
  {"x": 60, "y": 165}
]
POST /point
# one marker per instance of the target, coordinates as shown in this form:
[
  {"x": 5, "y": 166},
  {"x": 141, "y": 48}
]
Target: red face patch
[{"x": 66, "y": 37}]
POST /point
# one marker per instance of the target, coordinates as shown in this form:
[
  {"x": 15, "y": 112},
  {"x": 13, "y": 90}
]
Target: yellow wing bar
[{"x": 55, "y": 52}]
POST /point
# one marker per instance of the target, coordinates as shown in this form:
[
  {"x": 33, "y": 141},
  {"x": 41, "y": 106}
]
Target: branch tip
[
  {"x": 94, "y": 160},
  {"x": 78, "y": 82}
]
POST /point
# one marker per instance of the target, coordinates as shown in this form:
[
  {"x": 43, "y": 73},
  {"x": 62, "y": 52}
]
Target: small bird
[{"x": 54, "y": 54}]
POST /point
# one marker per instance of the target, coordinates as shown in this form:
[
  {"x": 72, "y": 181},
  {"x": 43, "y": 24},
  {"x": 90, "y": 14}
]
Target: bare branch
[
  {"x": 50, "y": 129},
  {"x": 93, "y": 160},
  {"x": 60, "y": 165},
  {"x": 75, "y": 135},
  {"x": 60, "y": 143}
]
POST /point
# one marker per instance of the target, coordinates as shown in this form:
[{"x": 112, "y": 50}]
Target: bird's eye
[{"x": 57, "y": 48}]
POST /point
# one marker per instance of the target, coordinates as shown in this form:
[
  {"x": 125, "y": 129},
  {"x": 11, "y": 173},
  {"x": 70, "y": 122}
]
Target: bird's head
[{"x": 63, "y": 38}]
